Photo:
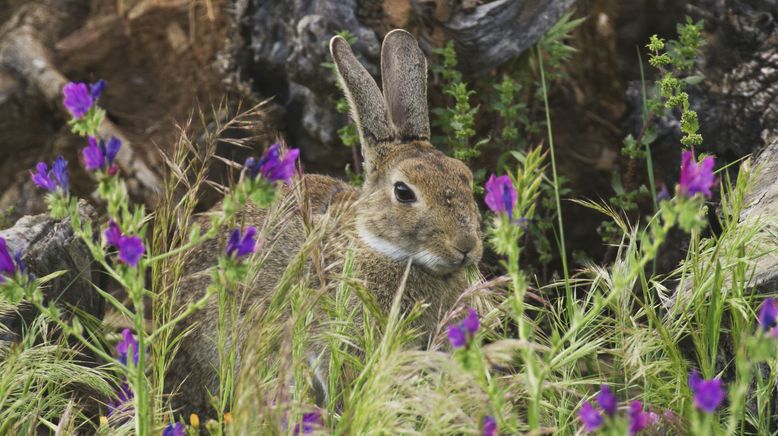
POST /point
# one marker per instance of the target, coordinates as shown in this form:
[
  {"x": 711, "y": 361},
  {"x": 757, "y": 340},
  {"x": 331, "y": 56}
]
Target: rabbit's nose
[{"x": 465, "y": 245}]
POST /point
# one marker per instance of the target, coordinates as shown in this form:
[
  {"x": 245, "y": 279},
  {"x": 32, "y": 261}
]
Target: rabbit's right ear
[
  {"x": 404, "y": 73},
  {"x": 365, "y": 99}
]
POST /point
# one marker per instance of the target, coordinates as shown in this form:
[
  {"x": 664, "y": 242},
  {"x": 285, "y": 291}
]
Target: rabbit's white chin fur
[{"x": 422, "y": 258}]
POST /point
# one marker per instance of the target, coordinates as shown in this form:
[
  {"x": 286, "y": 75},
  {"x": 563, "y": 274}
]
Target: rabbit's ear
[
  {"x": 404, "y": 75},
  {"x": 367, "y": 104}
]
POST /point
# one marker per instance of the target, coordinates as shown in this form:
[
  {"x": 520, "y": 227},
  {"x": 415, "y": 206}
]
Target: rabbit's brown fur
[{"x": 440, "y": 230}]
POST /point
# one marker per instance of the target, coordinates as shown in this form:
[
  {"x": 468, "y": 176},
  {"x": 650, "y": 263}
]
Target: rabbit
[{"x": 416, "y": 205}]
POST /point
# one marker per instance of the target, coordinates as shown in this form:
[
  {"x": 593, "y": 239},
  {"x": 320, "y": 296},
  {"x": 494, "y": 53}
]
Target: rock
[
  {"x": 49, "y": 246},
  {"x": 288, "y": 41}
]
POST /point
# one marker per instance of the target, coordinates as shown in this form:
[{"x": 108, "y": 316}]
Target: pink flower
[
  {"x": 500, "y": 196},
  {"x": 696, "y": 177},
  {"x": 708, "y": 394},
  {"x": 591, "y": 418},
  {"x": 272, "y": 165}
]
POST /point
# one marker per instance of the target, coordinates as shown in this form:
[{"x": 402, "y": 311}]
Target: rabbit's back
[{"x": 281, "y": 235}]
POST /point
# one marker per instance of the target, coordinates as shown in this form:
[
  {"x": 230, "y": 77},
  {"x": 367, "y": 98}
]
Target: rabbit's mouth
[
  {"x": 426, "y": 259},
  {"x": 442, "y": 264}
]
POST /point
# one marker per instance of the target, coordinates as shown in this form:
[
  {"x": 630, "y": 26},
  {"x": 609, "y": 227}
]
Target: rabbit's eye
[{"x": 403, "y": 193}]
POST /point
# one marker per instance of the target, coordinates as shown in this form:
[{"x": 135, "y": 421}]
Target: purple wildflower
[
  {"x": 99, "y": 155},
  {"x": 60, "y": 170},
  {"x": 708, "y": 394},
  {"x": 113, "y": 235},
  {"x": 490, "y": 426},
  {"x": 51, "y": 179},
  {"x": 77, "y": 100},
  {"x": 94, "y": 158},
  {"x": 272, "y": 165},
  {"x": 131, "y": 249},
  {"x": 310, "y": 422},
  {"x": 19, "y": 262},
  {"x": 6, "y": 263},
  {"x": 607, "y": 400},
  {"x": 768, "y": 315},
  {"x": 638, "y": 419},
  {"x": 591, "y": 418},
  {"x": 457, "y": 336},
  {"x": 241, "y": 246},
  {"x": 125, "y": 346},
  {"x": 176, "y": 429},
  {"x": 42, "y": 177},
  {"x": 95, "y": 89},
  {"x": 471, "y": 323},
  {"x": 663, "y": 194},
  {"x": 696, "y": 177},
  {"x": 500, "y": 196},
  {"x": 111, "y": 149},
  {"x": 122, "y": 400}
]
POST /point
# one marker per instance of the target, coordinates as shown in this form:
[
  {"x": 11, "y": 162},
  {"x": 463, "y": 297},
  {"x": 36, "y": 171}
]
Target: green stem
[
  {"x": 568, "y": 289},
  {"x": 649, "y": 160}
]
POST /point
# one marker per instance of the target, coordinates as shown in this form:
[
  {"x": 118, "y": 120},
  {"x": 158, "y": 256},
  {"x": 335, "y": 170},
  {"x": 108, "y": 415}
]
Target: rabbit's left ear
[{"x": 404, "y": 75}]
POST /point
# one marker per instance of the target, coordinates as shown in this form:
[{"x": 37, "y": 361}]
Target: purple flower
[
  {"x": 95, "y": 89},
  {"x": 125, "y": 346},
  {"x": 77, "y": 100},
  {"x": 99, "y": 155},
  {"x": 122, "y": 400},
  {"x": 663, "y": 194},
  {"x": 490, "y": 426},
  {"x": 176, "y": 429},
  {"x": 638, "y": 419},
  {"x": 457, "y": 336},
  {"x": 708, "y": 394},
  {"x": 500, "y": 196},
  {"x": 591, "y": 418},
  {"x": 60, "y": 170},
  {"x": 242, "y": 246},
  {"x": 42, "y": 177},
  {"x": 19, "y": 262},
  {"x": 272, "y": 165},
  {"x": 607, "y": 400},
  {"x": 310, "y": 422},
  {"x": 131, "y": 249},
  {"x": 696, "y": 177},
  {"x": 113, "y": 235},
  {"x": 6, "y": 262},
  {"x": 94, "y": 158},
  {"x": 111, "y": 149},
  {"x": 768, "y": 315},
  {"x": 471, "y": 323},
  {"x": 50, "y": 180}
]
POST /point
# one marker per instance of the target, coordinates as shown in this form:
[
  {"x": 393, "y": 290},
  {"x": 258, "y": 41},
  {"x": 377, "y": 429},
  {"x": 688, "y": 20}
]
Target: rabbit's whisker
[
  {"x": 381, "y": 245},
  {"x": 428, "y": 259}
]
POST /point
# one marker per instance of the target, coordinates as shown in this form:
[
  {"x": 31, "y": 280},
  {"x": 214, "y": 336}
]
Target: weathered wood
[
  {"x": 488, "y": 35},
  {"x": 49, "y": 246},
  {"x": 762, "y": 205}
]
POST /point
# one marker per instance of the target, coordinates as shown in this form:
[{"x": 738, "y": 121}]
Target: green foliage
[
  {"x": 673, "y": 60},
  {"x": 676, "y": 60},
  {"x": 554, "y": 45},
  {"x": 457, "y": 122}
]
